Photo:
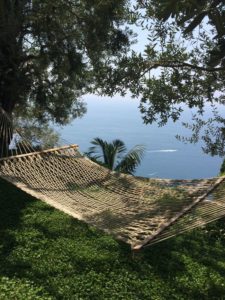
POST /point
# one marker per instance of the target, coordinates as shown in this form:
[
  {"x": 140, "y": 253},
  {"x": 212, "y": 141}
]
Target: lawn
[{"x": 45, "y": 254}]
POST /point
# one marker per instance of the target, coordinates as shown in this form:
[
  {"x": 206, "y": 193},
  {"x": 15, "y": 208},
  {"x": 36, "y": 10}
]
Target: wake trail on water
[
  {"x": 152, "y": 174},
  {"x": 162, "y": 151}
]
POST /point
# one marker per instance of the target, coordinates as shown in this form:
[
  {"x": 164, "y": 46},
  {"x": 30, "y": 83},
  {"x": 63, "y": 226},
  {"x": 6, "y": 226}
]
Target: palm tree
[{"x": 114, "y": 155}]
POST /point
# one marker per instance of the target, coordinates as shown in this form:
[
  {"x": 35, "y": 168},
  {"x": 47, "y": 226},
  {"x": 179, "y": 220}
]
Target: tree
[
  {"x": 27, "y": 134},
  {"x": 183, "y": 66},
  {"x": 114, "y": 155},
  {"x": 49, "y": 51},
  {"x": 35, "y": 133}
]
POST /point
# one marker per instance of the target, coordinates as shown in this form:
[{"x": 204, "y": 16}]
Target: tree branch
[{"x": 177, "y": 64}]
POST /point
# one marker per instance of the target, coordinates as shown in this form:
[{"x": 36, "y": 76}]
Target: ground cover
[{"x": 45, "y": 254}]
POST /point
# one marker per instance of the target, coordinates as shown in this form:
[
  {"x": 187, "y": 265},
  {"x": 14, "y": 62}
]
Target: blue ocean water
[{"x": 165, "y": 156}]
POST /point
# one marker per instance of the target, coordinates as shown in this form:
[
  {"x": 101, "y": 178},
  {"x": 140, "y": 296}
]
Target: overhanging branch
[{"x": 177, "y": 64}]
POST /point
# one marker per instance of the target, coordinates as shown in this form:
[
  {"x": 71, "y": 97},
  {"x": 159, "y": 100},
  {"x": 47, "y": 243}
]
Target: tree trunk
[{"x": 6, "y": 127}]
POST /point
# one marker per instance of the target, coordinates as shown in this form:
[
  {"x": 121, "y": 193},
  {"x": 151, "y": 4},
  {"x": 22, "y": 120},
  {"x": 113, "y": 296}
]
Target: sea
[{"x": 165, "y": 156}]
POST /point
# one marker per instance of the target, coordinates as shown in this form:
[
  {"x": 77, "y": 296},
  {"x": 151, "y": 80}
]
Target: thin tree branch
[{"x": 177, "y": 64}]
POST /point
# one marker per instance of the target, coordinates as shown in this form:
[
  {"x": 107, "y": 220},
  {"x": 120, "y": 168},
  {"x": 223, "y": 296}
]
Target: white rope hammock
[{"x": 135, "y": 210}]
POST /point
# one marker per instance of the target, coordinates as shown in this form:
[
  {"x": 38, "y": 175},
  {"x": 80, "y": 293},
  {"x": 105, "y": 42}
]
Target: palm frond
[
  {"x": 108, "y": 154},
  {"x": 97, "y": 151},
  {"x": 132, "y": 159},
  {"x": 119, "y": 146},
  {"x": 119, "y": 150}
]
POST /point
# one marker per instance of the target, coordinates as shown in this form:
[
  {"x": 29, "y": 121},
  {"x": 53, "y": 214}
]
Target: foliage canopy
[
  {"x": 52, "y": 52},
  {"x": 49, "y": 51},
  {"x": 182, "y": 67}
]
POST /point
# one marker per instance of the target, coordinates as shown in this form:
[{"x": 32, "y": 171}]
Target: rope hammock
[{"x": 136, "y": 210}]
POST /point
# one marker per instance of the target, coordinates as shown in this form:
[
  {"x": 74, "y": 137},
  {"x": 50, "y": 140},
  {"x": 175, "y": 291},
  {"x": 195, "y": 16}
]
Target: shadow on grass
[
  {"x": 72, "y": 260},
  {"x": 12, "y": 205},
  {"x": 39, "y": 243}
]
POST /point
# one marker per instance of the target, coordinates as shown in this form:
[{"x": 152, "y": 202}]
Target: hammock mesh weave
[{"x": 135, "y": 210}]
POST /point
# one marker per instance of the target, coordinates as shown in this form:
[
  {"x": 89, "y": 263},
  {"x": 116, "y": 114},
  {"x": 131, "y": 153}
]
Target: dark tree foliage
[
  {"x": 50, "y": 50},
  {"x": 182, "y": 67}
]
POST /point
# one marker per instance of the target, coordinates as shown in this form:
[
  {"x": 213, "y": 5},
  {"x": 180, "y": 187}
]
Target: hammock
[{"x": 136, "y": 210}]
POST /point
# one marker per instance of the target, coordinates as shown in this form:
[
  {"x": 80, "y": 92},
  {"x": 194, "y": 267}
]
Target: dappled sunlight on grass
[{"x": 45, "y": 254}]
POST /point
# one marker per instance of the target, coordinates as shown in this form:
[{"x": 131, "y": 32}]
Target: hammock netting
[{"x": 136, "y": 210}]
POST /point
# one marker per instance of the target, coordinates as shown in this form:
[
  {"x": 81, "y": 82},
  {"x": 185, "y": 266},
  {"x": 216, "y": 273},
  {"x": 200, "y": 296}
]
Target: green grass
[{"x": 45, "y": 254}]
